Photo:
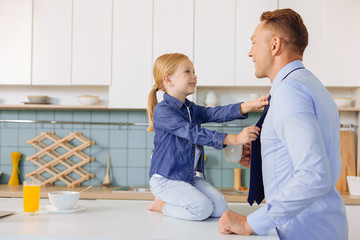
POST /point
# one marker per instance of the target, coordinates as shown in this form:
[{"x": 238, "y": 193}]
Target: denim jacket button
[{"x": 190, "y": 168}]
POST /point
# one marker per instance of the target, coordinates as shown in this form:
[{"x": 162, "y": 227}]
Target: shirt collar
[
  {"x": 176, "y": 102},
  {"x": 284, "y": 72}
]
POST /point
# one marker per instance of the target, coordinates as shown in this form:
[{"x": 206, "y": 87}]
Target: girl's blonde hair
[{"x": 164, "y": 65}]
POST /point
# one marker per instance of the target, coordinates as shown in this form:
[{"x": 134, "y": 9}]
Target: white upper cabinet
[
  {"x": 132, "y": 54},
  {"x": 310, "y": 12},
  {"x": 15, "y": 41},
  {"x": 340, "y": 43},
  {"x": 52, "y": 42},
  {"x": 91, "y": 51},
  {"x": 247, "y": 18},
  {"x": 173, "y": 27},
  {"x": 214, "y": 42},
  {"x": 173, "y": 30}
]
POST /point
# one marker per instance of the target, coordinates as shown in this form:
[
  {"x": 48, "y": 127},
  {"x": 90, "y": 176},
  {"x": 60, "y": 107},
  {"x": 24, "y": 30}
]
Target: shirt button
[{"x": 190, "y": 168}]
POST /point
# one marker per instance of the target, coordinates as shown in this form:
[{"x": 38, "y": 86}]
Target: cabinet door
[
  {"x": 173, "y": 27},
  {"x": 340, "y": 43},
  {"x": 247, "y": 18},
  {"x": 132, "y": 54},
  {"x": 91, "y": 54},
  {"x": 15, "y": 41},
  {"x": 214, "y": 44},
  {"x": 173, "y": 30},
  {"x": 52, "y": 42},
  {"x": 310, "y": 12}
]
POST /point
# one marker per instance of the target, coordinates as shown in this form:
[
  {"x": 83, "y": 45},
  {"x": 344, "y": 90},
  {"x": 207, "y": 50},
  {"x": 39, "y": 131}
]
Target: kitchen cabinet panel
[
  {"x": 173, "y": 27},
  {"x": 15, "y": 41},
  {"x": 340, "y": 43},
  {"x": 173, "y": 30},
  {"x": 214, "y": 44},
  {"x": 247, "y": 18},
  {"x": 132, "y": 54},
  {"x": 91, "y": 56},
  {"x": 52, "y": 42},
  {"x": 310, "y": 11}
]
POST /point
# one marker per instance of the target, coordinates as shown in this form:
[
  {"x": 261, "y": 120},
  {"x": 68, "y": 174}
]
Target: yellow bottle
[{"x": 14, "y": 178}]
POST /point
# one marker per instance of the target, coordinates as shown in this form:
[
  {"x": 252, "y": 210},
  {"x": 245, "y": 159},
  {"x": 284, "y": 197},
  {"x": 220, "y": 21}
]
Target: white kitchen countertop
[{"x": 111, "y": 219}]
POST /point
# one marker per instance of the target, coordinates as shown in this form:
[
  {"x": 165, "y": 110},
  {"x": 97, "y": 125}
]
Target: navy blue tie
[{"x": 256, "y": 191}]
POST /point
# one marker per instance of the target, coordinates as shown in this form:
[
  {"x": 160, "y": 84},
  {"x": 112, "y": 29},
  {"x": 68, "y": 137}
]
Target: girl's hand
[
  {"x": 247, "y": 135},
  {"x": 257, "y": 104}
]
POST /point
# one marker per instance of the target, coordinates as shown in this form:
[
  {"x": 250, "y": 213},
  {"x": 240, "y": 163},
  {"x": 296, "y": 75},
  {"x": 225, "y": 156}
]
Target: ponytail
[{"x": 152, "y": 102}]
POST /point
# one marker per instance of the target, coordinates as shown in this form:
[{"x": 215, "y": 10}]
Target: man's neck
[{"x": 281, "y": 62}]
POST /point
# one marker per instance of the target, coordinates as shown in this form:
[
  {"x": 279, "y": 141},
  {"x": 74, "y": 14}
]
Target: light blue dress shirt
[{"x": 301, "y": 163}]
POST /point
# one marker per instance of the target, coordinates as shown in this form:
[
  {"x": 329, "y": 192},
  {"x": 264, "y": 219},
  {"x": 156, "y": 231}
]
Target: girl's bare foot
[{"x": 156, "y": 206}]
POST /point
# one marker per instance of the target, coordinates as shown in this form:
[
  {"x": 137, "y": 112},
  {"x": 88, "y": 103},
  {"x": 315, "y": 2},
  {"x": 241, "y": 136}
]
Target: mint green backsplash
[{"x": 129, "y": 147}]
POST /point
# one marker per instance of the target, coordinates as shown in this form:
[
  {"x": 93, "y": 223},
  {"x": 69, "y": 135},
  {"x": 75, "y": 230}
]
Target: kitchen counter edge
[{"x": 99, "y": 192}]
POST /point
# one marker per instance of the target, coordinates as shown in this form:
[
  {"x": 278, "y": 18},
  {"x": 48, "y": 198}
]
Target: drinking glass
[{"x": 31, "y": 197}]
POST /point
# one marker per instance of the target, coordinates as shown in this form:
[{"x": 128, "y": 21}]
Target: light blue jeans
[{"x": 187, "y": 201}]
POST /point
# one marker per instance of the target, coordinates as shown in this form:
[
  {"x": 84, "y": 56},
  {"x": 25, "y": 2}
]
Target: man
[{"x": 299, "y": 141}]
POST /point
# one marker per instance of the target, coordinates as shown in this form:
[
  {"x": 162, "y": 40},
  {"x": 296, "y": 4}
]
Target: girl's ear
[{"x": 167, "y": 81}]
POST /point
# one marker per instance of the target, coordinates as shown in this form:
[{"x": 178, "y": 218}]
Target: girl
[{"x": 178, "y": 155}]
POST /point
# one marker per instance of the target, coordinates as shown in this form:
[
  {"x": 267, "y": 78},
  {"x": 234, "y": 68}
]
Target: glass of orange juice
[{"x": 31, "y": 197}]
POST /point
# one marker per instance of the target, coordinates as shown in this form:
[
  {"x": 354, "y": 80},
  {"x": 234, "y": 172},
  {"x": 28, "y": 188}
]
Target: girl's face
[{"x": 183, "y": 81}]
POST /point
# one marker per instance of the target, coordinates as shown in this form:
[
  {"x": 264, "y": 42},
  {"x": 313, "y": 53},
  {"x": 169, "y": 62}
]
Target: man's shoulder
[{"x": 301, "y": 81}]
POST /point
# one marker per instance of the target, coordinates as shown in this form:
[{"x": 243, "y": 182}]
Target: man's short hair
[{"x": 290, "y": 27}]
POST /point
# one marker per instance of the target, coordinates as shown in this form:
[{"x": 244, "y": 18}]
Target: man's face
[{"x": 260, "y": 51}]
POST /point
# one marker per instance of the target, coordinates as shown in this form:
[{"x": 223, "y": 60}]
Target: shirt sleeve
[
  {"x": 220, "y": 114},
  {"x": 296, "y": 125},
  {"x": 173, "y": 121}
]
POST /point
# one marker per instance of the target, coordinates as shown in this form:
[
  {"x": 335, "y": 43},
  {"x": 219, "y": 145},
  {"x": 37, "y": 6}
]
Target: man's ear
[{"x": 276, "y": 43}]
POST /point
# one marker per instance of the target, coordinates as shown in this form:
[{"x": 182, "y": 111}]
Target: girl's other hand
[{"x": 257, "y": 104}]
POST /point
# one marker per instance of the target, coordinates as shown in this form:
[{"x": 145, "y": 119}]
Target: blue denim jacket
[{"x": 176, "y": 135}]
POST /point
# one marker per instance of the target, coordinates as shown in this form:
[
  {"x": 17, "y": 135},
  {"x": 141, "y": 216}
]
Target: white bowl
[
  {"x": 342, "y": 102},
  {"x": 233, "y": 153},
  {"x": 354, "y": 185},
  {"x": 88, "y": 99},
  {"x": 38, "y": 99},
  {"x": 64, "y": 200}
]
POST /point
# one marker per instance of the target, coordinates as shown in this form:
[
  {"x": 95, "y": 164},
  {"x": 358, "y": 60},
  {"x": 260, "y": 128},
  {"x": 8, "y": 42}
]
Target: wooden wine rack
[{"x": 55, "y": 158}]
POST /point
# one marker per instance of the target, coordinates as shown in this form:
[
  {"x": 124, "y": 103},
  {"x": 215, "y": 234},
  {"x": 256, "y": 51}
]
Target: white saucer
[{"x": 52, "y": 209}]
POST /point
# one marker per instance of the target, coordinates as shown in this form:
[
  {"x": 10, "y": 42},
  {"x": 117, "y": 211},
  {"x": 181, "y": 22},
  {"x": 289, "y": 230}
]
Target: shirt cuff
[
  {"x": 218, "y": 140},
  {"x": 236, "y": 112},
  {"x": 260, "y": 222}
]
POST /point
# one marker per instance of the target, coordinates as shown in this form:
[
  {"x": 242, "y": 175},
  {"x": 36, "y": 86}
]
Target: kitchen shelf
[
  {"x": 351, "y": 109},
  {"x": 52, "y": 107}
]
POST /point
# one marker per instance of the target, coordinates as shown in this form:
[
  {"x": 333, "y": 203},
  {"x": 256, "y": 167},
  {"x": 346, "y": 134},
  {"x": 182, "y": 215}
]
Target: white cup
[
  {"x": 64, "y": 200},
  {"x": 233, "y": 153},
  {"x": 354, "y": 185}
]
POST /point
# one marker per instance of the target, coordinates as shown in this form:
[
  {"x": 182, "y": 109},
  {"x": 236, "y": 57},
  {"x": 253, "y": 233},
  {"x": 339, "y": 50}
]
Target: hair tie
[{"x": 155, "y": 87}]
